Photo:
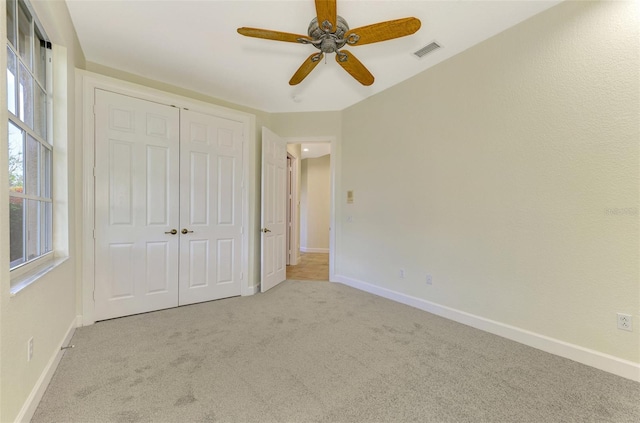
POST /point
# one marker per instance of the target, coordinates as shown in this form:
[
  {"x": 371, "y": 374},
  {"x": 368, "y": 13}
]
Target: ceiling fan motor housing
[{"x": 326, "y": 38}]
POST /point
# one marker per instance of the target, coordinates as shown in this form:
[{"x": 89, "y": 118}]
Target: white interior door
[
  {"x": 136, "y": 205},
  {"x": 274, "y": 201},
  {"x": 210, "y": 207}
]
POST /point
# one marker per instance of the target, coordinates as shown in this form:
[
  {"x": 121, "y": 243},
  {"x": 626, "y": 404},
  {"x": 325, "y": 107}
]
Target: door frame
[
  {"x": 333, "y": 166},
  {"x": 292, "y": 207},
  {"x": 86, "y": 84}
]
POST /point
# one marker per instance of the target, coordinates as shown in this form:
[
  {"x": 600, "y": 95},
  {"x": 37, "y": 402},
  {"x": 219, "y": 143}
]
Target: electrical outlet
[
  {"x": 429, "y": 280},
  {"x": 624, "y": 322},
  {"x": 401, "y": 273},
  {"x": 30, "y": 349}
]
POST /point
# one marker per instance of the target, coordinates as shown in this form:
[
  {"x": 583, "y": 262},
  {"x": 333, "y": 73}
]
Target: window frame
[{"x": 28, "y": 270}]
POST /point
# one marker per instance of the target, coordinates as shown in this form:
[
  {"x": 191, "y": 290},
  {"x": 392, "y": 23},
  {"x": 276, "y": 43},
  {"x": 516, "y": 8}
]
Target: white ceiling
[
  {"x": 314, "y": 150},
  {"x": 194, "y": 44}
]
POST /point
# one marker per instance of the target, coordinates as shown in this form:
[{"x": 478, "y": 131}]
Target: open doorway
[{"x": 308, "y": 210}]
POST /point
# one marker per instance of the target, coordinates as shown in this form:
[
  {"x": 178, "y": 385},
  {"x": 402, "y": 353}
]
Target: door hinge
[
  {"x": 94, "y": 172},
  {"x": 241, "y": 230},
  {"x": 93, "y": 109},
  {"x": 241, "y": 275},
  {"x": 94, "y": 234}
]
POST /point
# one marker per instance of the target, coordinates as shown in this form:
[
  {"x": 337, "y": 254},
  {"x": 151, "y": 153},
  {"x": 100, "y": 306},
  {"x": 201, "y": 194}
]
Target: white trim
[
  {"x": 314, "y": 250},
  {"x": 251, "y": 290},
  {"x": 293, "y": 223},
  {"x": 606, "y": 362},
  {"x": 31, "y": 274},
  {"x": 31, "y": 404},
  {"x": 86, "y": 84},
  {"x": 84, "y": 131},
  {"x": 334, "y": 166}
]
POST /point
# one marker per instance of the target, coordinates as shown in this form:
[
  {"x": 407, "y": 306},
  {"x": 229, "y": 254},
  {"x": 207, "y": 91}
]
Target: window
[{"x": 29, "y": 136}]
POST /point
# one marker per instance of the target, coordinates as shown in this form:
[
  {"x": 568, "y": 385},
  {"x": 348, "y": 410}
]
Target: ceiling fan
[{"x": 329, "y": 32}]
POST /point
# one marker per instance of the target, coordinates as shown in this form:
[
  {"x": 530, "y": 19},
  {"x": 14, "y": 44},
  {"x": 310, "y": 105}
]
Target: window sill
[{"x": 22, "y": 281}]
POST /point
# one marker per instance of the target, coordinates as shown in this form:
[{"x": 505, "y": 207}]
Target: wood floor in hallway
[{"x": 310, "y": 267}]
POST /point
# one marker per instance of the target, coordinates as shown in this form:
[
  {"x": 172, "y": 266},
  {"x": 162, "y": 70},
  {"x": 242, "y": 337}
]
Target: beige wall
[
  {"x": 509, "y": 173},
  {"x": 307, "y": 124},
  {"x": 45, "y": 310},
  {"x": 315, "y": 201}
]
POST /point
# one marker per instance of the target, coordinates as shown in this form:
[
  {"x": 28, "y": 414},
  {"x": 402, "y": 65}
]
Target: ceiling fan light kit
[{"x": 329, "y": 33}]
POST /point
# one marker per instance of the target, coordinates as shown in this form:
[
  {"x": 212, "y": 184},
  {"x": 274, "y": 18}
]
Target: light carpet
[{"x": 319, "y": 352}]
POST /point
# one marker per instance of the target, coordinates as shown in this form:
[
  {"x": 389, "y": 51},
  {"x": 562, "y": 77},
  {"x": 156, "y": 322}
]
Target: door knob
[
  {"x": 265, "y": 230},
  {"x": 172, "y": 232},
  {"x": 185, "y": 231}
]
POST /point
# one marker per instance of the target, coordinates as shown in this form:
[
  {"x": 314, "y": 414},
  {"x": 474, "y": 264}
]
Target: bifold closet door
[
  {"x": 210, "y": 207},
  {"x": 136, "y": 205}
]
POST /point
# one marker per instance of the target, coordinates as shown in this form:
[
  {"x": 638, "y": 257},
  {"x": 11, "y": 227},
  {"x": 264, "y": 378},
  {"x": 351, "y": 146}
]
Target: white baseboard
[
  {"x": 606, "y": 362},
  {"x": 31, "y": 404},
  {"x": 314, "y": 250},
  {"x": 251, "y": 290}
]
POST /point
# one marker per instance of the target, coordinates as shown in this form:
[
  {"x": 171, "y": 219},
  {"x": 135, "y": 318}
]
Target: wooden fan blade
[
  {"x": 271, "y": 35},
  {"x": 382, "y": 31},
  {"x": 356, "y": 69},
  {"x": 326, "y": 11},
  {"x": 306, "y": 68}
]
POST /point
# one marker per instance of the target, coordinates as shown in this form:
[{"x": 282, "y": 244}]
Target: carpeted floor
[{"x": 310, "y": 352}]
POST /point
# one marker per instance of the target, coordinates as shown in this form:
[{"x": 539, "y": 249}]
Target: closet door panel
[
  {"x": 136, "y": 205},
  {"x": 211, "y": 207}
]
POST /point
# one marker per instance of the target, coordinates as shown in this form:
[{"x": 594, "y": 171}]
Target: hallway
[{"x": 311, "y": 267}]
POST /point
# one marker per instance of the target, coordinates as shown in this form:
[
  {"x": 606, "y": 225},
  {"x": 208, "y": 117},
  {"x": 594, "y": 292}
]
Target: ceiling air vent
[{"x": 427, "y": 49}]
